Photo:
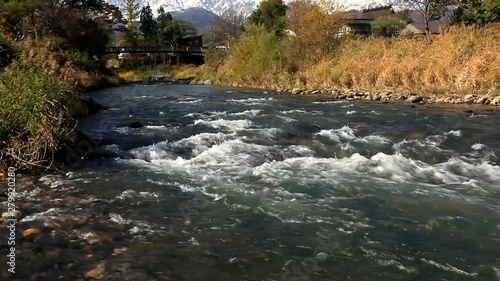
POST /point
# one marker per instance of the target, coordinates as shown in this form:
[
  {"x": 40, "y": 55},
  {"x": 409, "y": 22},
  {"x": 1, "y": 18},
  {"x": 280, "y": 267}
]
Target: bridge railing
[{"x": 154, "y": 49}]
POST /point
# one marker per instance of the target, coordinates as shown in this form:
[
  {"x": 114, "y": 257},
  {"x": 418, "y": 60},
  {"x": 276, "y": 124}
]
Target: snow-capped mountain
[
  {"x": 244, "y": 6},
  {"x": 363, "y": 4},
  {"x": 215, "y": 6}
]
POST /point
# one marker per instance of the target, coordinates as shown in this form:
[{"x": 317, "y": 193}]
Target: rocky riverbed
[{"x": 55, "y": 240}]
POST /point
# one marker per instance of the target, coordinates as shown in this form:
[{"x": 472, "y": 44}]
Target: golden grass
[
  {"x": 460, "y": 61},
  {"x": 188, "y": 71},
  {"x": 463, "y": 60}
]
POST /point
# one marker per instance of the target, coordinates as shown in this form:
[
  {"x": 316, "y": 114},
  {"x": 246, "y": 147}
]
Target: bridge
[{"x": 178, "y": 49}]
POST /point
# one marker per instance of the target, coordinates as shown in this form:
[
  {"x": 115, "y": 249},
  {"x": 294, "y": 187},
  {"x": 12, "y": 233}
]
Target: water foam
[
  {"x": 396, "y": 168},
  {"x": 153, "y": 152},
  {"x": 249, "y": 113},
  {"x": 329, "y": 102},
  {"x": 338, "y": 135},
  {"x": 231, "y": 125},
  {"x": 201, "y": 142}
]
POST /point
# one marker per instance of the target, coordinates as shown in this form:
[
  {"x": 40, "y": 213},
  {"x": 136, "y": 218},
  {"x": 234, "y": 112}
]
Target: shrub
[
  {"x": 36, "y": 110},
  {"x": 387, "y": 25}
]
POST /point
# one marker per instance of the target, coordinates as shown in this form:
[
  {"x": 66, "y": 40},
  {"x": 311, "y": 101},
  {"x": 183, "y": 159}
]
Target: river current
[{"x": 225, "y": 184}]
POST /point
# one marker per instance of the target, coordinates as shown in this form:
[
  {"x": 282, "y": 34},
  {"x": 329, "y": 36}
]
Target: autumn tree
[
  {"x": 132, "y": 12},
  {"x": 315, "y": 25},
  {"x": 79, "y": 24},
  {"x": 429, "y": 9},
  {"x": 271, "y": 14}
]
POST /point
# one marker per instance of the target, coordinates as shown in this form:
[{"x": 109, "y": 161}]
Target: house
[
  {"x": 192, "y": 41},
  {"x": 360, "y": 21},
  {"x": 417, "y": 24}
]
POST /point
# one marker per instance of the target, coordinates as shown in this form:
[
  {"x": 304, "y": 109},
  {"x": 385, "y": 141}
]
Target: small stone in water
[
  {"x": 119, "y": 251},
  {"x": 30, "y": 233},
  {"x": 96, "y": 273},
  {"x": 12, "y": 215}
]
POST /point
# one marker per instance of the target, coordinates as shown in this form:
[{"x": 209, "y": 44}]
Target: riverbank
[
  {"x": 41, "y": 90},
  {"x": 456, "y": 67},
  {"x": 382, "y": 96}
]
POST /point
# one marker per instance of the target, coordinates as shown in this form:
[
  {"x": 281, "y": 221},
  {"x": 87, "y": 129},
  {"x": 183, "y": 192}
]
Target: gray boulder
[{"x": 415, "y": 99}]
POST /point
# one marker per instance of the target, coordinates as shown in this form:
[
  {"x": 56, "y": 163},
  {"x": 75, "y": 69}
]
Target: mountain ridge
[{"x": 243, "y": 6}]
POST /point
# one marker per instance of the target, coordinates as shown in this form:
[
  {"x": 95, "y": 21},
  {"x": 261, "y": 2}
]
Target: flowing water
[{"x": 224, "y": 184}]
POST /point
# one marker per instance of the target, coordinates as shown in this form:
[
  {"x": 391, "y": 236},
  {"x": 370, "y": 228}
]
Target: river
[{"x": 226, "y": 184}]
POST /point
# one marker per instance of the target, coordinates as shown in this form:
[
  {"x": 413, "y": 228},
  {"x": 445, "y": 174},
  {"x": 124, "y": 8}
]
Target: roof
[{"x": 371, "y": 14}]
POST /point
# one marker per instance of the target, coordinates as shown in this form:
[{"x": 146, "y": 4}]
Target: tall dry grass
[
  {"x": 460, "y": 61},
  {"x": 39, "y": 102}
]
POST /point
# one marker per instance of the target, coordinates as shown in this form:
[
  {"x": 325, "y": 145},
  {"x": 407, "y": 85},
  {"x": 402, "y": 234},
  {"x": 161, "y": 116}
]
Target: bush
[
  {"x": 39, "y": 102},
  {"x": 36, "y": 110},
  {"x": 387, "y": 25},
  {"x": 258, "y": 56}
]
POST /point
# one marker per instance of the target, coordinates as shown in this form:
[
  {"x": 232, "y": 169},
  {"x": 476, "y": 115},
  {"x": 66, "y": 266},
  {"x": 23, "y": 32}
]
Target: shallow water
[{"x": 224, "y": 184}]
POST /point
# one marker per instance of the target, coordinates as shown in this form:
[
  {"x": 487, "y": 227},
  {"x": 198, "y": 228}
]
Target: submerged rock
[
  {"x": 135, "y": 124},
  {"x": 92, "y": 106}
]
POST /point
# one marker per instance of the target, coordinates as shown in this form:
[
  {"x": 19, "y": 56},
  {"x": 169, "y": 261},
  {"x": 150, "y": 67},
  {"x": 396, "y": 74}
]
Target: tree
[
  {"x": 315, "y": 26},
  {"x": 148, "y": 24},
  {"x": 13, "y": 14},
  {"x": 78, "y": 24},
  {"x": 227, "y": 27},
  {"x": 477, "y": 12},
  {"x": 168, "y": 30},
  {"x": 429, "y": 9},
  {"x": 271, "y": 14},
  {"x": 186, "y": 27},
  {"x": 387, "y": 25},
  {"x": 132, "y": 11}
]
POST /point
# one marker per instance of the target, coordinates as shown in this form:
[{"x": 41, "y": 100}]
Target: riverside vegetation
[
  {"x": 40, "y": 98},
  {"x": 460, "y": 65},
  {"x": 43, "y": 75}
]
